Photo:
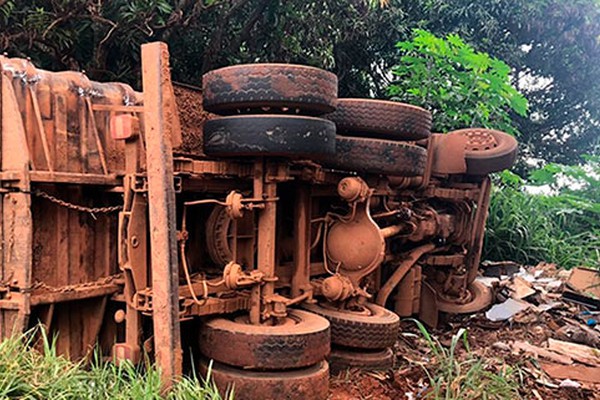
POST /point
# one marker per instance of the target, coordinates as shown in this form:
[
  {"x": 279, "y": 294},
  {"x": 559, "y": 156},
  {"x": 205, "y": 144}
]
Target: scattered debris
[
  {"x": 576, "y": 372},
  {"x": 552, "y": 341},
  {"x": 521, "y": 288},
  {"x": 586, "y": 281},
  {"x": 541, "y": 352},
  {"x": 506, "y": 310},
  {"x": 581, "y": 353},
  {"x": 570, "y": 384}
]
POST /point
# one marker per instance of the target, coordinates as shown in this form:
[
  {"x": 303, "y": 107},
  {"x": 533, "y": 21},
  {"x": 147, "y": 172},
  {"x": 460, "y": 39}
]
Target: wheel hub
[{"x": 480, "y": 140}]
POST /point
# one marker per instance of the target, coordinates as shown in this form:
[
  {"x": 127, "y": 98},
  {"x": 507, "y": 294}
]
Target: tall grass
[
  {"x": 27, "y": 373},
  {"x": 528, "y": 228},
  {"x": 467, "y": 377}
]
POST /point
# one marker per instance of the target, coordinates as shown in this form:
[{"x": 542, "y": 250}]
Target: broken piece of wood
[
  {"x": 541, "y": 352},
  {"x": 575, "y": 372},
  {"x": 578, "y": 352},
  {"x": 520, "y": 288}
]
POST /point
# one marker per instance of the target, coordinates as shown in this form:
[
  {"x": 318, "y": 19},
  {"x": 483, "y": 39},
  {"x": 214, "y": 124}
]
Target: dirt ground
[{"x": 497, "y": 343}]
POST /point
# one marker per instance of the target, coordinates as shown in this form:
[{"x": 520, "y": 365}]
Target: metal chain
[{"x": 76, "y": 207}]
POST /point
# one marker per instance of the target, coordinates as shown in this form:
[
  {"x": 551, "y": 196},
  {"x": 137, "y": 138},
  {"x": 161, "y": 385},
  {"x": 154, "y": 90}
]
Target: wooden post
[
  {"x": 16, "y": 225},
  {"x": 160, "y": 123}
]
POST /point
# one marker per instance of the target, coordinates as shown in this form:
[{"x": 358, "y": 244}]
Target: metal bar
[
  {"x": 255, "y": 294},
  {"x": 479, "y": 233},
  {"x": 302, "y": 215},
  {"x": 411, "y": 259},
  {"x": 158, "y": 126},
  {"x": 267, "y": 221}
]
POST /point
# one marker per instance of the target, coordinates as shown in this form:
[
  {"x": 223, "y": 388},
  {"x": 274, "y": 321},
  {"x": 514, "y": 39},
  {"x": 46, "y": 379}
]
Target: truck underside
[{"x": 260, "y": 239}]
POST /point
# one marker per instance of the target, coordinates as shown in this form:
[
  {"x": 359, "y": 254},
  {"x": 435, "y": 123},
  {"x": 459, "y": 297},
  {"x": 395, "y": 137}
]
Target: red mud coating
[
  {"x": 343, "y": 358},
  {"x": 301, "y": 342},
  {"x": 302, "y": 384},
  {"x": 309, "y": 89},
  {"x": 192, "y": 117},
  {"x": 381, "y": 119},
  {"x": 378, "y": 156},
  {"x": 499, "y": 154}
]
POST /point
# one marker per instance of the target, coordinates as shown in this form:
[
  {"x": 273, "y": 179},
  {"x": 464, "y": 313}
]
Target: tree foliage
[
  {"x": 551, "y": 46},
  {"x": 460, "y": 86}
]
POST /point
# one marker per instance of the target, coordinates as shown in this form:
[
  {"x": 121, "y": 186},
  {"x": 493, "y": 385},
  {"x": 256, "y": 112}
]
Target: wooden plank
[
  {"x": 60, "y": 131},
  {"x": 578, "y": 352},
  {"x": 574, "y": 372},
  {"x": 17, "y": 224},
  {"x": 159, "y": 124},
  {"x": 72, "y": 295}
]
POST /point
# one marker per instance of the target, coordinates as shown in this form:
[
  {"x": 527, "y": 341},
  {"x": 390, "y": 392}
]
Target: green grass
[
  {"x": 466, "y": 376},
  {"x": 26, "y": 373},
  {"x": 530, "y": 228}
]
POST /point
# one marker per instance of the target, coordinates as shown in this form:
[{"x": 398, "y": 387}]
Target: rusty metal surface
[
  {"x": 479, "y": 297},
  {"x": 411, "y": 259},
  {"x": 449, "y": 154}
]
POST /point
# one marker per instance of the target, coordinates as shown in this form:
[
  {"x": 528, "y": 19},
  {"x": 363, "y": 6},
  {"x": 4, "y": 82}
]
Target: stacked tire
[
  {"x": 268, "y": 362},
  {"x": 269, "y": 110},
  {"x": 361, "y": 338},
  {"x": 374, "y": 136}
]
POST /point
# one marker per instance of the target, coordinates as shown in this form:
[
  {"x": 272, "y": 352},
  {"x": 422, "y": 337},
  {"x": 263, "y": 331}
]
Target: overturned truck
[{"x": 261, "y": 222}]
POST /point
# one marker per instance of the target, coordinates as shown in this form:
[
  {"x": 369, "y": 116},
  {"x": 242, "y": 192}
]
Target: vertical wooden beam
[
  {"x": 159, "y": 126},
  {"x": 17, "y": 224}
]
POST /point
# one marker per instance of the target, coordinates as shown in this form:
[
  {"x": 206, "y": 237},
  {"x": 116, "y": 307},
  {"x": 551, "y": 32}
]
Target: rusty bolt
[
  {"x": 135, "y": 242},
  {"x": 120, "y": 316}
]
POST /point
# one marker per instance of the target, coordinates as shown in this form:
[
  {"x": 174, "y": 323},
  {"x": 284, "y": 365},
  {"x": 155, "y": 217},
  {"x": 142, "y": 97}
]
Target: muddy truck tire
[
  {"x": 377, "y": 156},
  {"x": 381, "y": 119},
  {"x": 269, "y": 135},
  {"x": 369, "y": 360},
  {"x": 299, "y": 384},
  {"x": 253, "y": 88},
  {"x": 303, "y": 340},
  {"x": 376, "y": 329},
  {"x": 488, "y": 150}
]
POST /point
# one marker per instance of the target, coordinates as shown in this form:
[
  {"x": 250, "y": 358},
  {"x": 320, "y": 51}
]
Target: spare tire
[
  {"x": 488, "y": 150},
  {"x": 376, "y": 329},
  {"x": 251, "y": 87},
  {"x": 269, "y": 135},
  {"x": 381, "y": 119},
  {"x": 342, "y": 358},
  {"x": 378, "y": 156},
  {"x": 303, "y": 340}
]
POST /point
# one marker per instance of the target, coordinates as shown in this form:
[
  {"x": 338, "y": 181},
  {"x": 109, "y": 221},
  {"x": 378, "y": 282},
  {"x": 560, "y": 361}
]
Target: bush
[
  {"x": 561, "y": 226},
  {"x": 460, "y": 86}
]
